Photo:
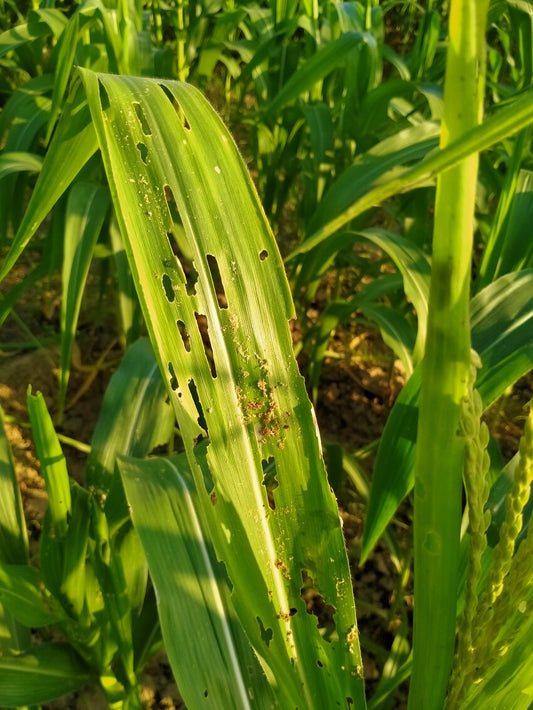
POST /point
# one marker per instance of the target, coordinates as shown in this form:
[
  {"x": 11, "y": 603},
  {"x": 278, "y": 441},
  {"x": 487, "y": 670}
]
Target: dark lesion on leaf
[
  {"x": 283, "y": 568},
  {"x": 261, "y": 410}
]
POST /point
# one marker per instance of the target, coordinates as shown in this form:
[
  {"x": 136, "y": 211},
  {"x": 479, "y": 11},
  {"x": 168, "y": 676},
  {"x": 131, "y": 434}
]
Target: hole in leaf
[
  {"x": 200, "y": 454},
  {"x": 182, "y": 328},
  {"x": 173, "y": 243},
  {"x": 192, "y": 278},
  {"x": 266, "y": 634},
  {"x": 206, "y": 693},
  {"x": 176, "y": 105},
  {"x": 196, "y": 399},
  {"x": 316, "y": 605},
  {"x": 263, "y": 255},
  {"x": 143, "y": 151},
  {"x": 172, "y": 206},
  {"x": 169, "y": 291},
  {"x": 104, "y": 98},
  {"x": 217, "y": 281},
  {"x": 349, "y": 702},
  {"x": 173, "y": 379},
  {"x": 204, "y": 332},
  {"x": 145, "y": 126},
  {"x": 292, "y": 611},
  {"x": 185, "y": 267},
  {"x": 269, "y": 480},
  {"x": 320, "y": 664}
]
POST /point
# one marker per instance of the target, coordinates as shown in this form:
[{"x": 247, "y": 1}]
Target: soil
[{"x": 360, "y": 381}]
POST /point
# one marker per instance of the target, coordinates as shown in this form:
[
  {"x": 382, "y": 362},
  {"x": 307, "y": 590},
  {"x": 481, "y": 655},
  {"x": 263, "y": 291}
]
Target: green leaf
[
  {"x": 13, "y": 536},
  {"x": 40, "y": 24},
  {"x": 374, "y": 167},
  {"x": 415, "y": 269},
  {"x": 111, "y": 577},
  {"x": 74, "y": 143},
  {"x": 25, "y": 114},
  {"x": 13, "y": 541},
  {"x": 53, "y": 464},
  {"x": 196, "y": 616},
  {"x": 86, "y": 208},
  {"x": 128, "y": 304},
  {"x": 134, "y": 417},
  {"x": 16, "y": 162},
  {"x": 501, "y": 316},
  {"x": 241, "y": 389},
  {"x": 496, "y": 239},
  {"x": 508, "y": 682},
  {"x": 22, "y": 593},
  {"x": 21, "y": 121},
  {"x": 504, "y": 122},
  {"x": 74, "y": 553},
  {"x": 48, "y": 672},
  {"x": 511, "y": 252},
  {"x": 319, "y": 65},
  {"x": 397, "y": 333}
]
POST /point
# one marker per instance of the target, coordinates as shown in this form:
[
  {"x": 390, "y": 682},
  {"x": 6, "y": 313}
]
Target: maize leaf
[
  {"x": 86, "y": 208},
  {"x": 44, "y": 674},
  {"x": 232, "y": 377},
  {"x": 197, "y": 620}
]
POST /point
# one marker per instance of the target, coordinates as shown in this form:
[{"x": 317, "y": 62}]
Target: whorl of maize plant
[{"x": 476, "y": 466}]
